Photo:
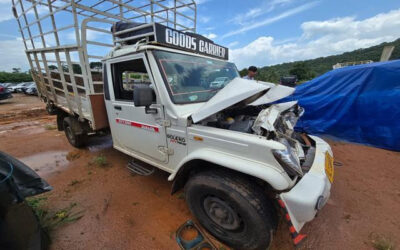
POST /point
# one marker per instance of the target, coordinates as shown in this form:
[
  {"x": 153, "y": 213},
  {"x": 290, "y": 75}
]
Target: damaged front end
[
  {"x": 305, "y": 160},
  {"x": 308, "y": 160},
  {"x": 274, "y": 122},
  {"x": 245, "y": 106},
  {"x": 277, "y": 123}
]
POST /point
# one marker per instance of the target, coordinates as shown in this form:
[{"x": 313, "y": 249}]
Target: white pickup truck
[{"x": 232, "y": 149}]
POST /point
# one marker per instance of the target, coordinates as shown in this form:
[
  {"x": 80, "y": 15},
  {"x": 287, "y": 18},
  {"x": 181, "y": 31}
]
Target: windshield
[{"x": 191, "y": 79}]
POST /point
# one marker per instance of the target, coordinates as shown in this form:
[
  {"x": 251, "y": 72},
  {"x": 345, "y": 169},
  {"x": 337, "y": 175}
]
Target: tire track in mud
[{"x": 13, "y": 116}]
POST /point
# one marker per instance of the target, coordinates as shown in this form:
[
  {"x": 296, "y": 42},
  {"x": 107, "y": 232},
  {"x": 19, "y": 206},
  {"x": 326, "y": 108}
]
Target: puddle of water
[
  {"x": 99, "y": 143},
  {"x": 47, "y": 162}
]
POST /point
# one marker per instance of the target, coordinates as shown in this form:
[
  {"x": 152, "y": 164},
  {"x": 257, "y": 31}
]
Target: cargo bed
[{"x": 66, "y": 40}]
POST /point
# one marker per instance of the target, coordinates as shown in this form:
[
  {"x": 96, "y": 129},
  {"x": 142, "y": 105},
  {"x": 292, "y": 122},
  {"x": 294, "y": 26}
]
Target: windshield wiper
[{"x": 213, "y": 91}]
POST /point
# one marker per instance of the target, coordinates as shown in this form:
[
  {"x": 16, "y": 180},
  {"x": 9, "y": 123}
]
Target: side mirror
[{"x": 144, "y": 96}]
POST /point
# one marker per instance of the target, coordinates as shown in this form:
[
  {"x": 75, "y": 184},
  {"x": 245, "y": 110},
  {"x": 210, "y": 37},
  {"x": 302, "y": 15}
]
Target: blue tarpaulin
[{"x": 358, "y": 104}]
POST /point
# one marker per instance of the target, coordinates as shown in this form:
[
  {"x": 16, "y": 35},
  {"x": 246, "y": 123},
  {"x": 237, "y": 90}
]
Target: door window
[{"x": 126, "y": 75}]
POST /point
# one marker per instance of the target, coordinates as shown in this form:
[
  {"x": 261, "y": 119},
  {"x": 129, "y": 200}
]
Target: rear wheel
[
  {"x": 231, "y": 208},
  {"x": 60, "y": 120},
  {"x": 76, "y": 136},
  {"x": 51, "y": 109}
]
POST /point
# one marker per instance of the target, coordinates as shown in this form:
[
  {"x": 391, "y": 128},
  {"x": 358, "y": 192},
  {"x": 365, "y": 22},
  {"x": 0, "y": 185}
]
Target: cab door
[{"x": 134, "y": 131}]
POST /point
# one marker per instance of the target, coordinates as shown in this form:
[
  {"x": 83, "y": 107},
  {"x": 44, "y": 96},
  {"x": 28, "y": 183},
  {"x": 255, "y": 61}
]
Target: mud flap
[{"x": 297, "y": 238}]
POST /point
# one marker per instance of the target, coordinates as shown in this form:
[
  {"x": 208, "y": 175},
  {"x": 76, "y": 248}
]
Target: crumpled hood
[{"x": 239, "y": 90}]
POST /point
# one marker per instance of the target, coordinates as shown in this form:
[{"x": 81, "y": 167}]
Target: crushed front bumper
[{"x": 312, "y": 192}]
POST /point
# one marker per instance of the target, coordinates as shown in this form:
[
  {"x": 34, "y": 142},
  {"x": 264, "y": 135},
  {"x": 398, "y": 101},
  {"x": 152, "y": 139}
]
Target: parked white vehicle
[
  {"x": 234, "y": 153},
  {"x": 14, "y": 88},
  {"x": 219, "y": 82}
]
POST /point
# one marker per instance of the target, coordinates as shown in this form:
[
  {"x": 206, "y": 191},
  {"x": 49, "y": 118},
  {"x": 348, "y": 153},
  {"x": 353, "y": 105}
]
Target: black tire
[
  {"x": 233, "y": 209},
  {"x": 60, "y": 120},
  {"x": 75, "y": 135},
  {"x": 51, "y": 109}
]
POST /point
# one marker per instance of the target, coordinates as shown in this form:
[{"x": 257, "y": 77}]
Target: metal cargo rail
[{"x": 65, "y": 41}]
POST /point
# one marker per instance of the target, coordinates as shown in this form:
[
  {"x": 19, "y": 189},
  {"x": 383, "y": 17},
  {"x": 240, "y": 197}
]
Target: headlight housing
[
  {"x": 288, "y": 159},
  {"x": 287, "y": 121}
]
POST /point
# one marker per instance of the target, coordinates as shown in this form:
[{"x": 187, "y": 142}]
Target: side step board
[{"x": 136, "y": 168}]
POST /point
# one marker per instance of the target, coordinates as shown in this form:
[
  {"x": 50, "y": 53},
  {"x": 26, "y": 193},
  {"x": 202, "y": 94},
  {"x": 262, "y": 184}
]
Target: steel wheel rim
[{"x": 221, "y": 213}]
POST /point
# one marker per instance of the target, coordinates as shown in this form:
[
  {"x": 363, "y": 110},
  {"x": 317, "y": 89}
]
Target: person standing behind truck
[{"x": 251, "y": 73}]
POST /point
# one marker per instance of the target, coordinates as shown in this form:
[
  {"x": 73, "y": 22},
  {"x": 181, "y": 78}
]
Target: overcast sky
[{"x": 265, "y": 32}]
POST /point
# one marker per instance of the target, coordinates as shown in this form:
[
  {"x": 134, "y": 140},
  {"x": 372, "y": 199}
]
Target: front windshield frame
[{"x": 219, "y": 63}]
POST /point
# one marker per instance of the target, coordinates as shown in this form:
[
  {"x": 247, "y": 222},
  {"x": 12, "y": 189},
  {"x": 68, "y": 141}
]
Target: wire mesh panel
[{"x": 66, "y": 39}]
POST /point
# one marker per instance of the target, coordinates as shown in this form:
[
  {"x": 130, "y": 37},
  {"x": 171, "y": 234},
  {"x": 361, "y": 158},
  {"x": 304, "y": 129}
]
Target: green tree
[
  {"x": 302, "y": 71},
  {"x": 76, "y": 68},
  {"x": 243, "y": 72},
  {"x": 268, "y": 75},
  {"x": 321, "y": 65},
  {"x": 15, "y": 77},
  {"x": 96, "y": 65}
]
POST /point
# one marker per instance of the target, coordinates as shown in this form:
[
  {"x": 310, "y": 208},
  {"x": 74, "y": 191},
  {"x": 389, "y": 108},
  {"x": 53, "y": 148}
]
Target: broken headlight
[
  {"x": 288, "y": 159},
  {"x": 285, "y": 124}
]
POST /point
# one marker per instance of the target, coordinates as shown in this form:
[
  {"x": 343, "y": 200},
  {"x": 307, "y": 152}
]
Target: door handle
[{"x": 118, "y": 107}]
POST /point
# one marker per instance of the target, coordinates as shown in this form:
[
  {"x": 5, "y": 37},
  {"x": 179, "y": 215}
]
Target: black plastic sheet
[
  {"x": 19, "y": 226},
  {"x": 22, "y": 180}
]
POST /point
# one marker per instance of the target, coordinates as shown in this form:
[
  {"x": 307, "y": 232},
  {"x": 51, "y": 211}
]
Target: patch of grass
[
  {"x": 382, "y": 243},
  {"x": 100, "y": 161},
  {"x": 49, "y": 220},
  {"x": 50, "y": 127},
  {"x": 35, "y": 202}
]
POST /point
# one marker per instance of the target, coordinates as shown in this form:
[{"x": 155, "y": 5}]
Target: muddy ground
[{"x": 125, "y": 211}]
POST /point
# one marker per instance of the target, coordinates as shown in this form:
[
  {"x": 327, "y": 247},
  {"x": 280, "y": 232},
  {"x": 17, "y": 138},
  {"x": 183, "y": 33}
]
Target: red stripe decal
[
  {"x": 281, "y": 203},
  {"x": 292, "y": 229},
  {"x": 138, "y": 125},
  {"x": 288, "y": 217},
  {"x": 299, "y": 238}
]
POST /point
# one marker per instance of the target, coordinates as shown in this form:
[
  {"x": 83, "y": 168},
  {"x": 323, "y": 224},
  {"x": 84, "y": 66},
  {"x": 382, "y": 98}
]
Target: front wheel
[{"x": 231, "y": 208}]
